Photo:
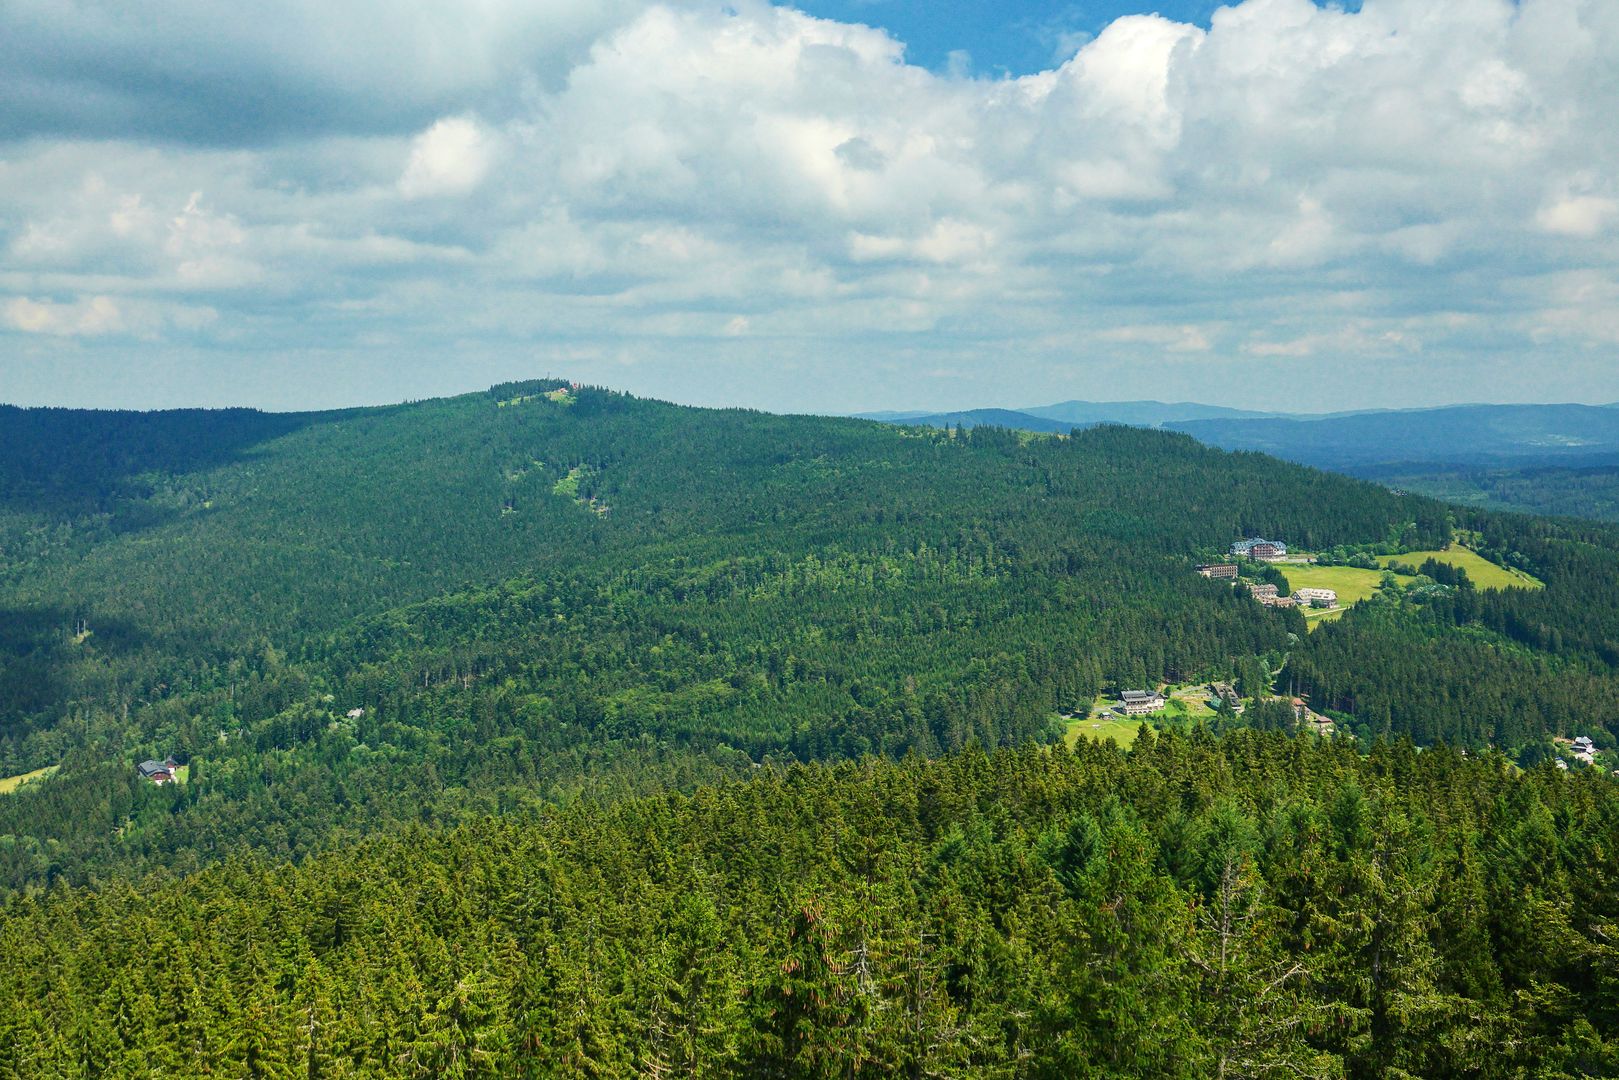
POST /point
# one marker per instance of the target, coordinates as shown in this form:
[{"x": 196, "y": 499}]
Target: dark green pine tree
[
  {"x": 1255, "y": 1012},
  {"x": 259, "y": 1049},
  {"x": 810, "y": 1012},
  {"x": 464, "y": 1035}
]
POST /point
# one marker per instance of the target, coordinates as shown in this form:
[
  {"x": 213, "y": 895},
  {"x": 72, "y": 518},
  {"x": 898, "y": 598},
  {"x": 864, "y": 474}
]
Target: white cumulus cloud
[
  {"x": 609, "y": 184},
  {"x": 450, "y": 158}
]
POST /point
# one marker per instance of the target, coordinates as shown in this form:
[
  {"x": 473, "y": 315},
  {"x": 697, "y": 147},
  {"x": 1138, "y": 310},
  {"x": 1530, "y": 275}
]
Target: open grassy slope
[
  {"x": 1350, "y": 583},
  {"x": 1482, "y": 572},
  {"x": 12, "y": 783},
  {"x": 1102, "y": 728}
]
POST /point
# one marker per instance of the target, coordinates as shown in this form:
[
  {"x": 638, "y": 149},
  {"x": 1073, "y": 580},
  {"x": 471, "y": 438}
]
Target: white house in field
[{"x": 1316, "y": 597}]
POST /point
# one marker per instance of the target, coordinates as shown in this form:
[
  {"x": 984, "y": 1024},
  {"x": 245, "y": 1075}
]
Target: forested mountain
[
  {"x": 465, "y": 632},
  {"x": 1545, "y": 459},
  {"x": 1587, "y": 491}
]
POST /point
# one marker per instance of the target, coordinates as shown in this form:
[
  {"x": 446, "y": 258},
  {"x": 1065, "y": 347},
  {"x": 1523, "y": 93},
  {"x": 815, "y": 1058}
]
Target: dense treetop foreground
[
  {"x": 1254, "y": 906},
  {"x": 495, "y": 716}
]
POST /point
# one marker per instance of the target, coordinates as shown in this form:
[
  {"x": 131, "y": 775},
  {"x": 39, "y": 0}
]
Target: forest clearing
[
  {"x": 12, "y": 783},
  {"x": 1352, "y": 585},
  {"x": 1484, "y": 573}
]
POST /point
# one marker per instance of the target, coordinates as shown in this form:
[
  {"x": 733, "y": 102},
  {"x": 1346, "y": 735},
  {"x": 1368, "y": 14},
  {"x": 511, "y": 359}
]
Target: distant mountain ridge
[
  {"x": 1547, "y": 459},
  {"x": 1066, "y": 415},
  {"x": 1449, "y": 434},
  {"x": 1457, "y": 434},
  {"x": 1140, "y": 413}
]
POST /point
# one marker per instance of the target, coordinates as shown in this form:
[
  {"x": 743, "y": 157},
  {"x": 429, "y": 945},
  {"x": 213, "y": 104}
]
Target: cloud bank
[{"x": 743, "y": 203}]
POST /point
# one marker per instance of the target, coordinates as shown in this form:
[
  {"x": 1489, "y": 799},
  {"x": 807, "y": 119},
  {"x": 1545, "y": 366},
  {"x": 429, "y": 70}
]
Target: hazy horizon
[{"x": 223, "y": 400}]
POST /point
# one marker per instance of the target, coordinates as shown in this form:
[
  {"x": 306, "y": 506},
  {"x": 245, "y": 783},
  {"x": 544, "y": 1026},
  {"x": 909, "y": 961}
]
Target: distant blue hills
[
  {"x": 1066, "y": 415},
  {"x": 1454, "y": 435},
  {"x": 1359, "y": 442},
  {"x": 1141, "y": 413}
]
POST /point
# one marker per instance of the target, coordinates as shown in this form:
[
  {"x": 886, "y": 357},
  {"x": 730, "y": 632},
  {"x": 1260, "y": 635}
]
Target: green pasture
[
  {"x": 12, "y": 783},
  {"x": 1185, "y": 706},
  {"x": 1351, "y": 583},
  {"x": 1118, "y": 729},
  {"x": 1484, "y": 573}
]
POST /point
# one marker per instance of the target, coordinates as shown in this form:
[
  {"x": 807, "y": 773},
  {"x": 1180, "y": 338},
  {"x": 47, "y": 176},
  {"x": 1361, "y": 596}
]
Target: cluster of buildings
[
  {"x": 1582, "y": 750},
  {"x": 1262, "y": 550},
  {"x": 1266, "y": 594}
]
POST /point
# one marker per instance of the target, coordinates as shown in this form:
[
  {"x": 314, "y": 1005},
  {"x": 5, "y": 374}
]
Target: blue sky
[
  {"x": 998, "y": 38},
  {"x": 1276, "y": 203}
]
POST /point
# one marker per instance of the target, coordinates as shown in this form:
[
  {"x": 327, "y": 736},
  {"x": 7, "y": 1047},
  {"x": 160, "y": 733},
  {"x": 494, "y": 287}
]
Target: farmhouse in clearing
[
  {"x": 1141, "y": 702},
  {"x": 158, "y": 772},
  {"x": 1316, "y": 597}
]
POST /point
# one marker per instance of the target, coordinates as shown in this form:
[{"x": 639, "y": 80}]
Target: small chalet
[
  {"x": 1227, "y": 571},
  {"x": 158, "y": 772},
  {"x": 1141, "y": 702}
]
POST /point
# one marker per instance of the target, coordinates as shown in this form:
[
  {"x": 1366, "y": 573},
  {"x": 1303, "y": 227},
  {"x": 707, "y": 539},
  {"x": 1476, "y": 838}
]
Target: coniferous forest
[{"x": 552, "y": 732}]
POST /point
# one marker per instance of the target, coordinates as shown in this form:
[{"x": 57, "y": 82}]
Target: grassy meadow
[
  {"x": 12, "y": 783},
  {"x": 1120, "y": 730},
  {"x": 1351, "y": 583},
  {"x": 1485, "y": 574},
  {"x": 1185, "y": 705}
]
